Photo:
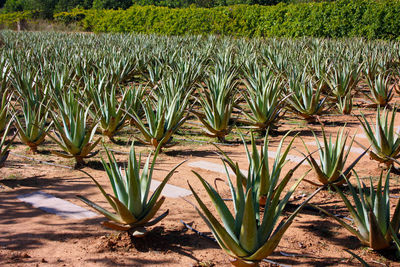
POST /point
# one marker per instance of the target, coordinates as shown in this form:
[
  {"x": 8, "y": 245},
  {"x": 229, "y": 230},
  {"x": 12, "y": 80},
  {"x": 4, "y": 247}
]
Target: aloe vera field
[{"x": 133, "y": 150}]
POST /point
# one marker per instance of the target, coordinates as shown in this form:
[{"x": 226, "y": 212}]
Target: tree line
[{"x": 46, "y": 8}]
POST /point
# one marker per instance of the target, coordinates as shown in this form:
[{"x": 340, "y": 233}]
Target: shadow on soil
[
  {"x": 191, "y": 153},
  {"x": 95, "y": 165},
  {"x": 127, "y": 262},
  {"x": 34, "y": 181},
  {"x": 310, "y": 260},
  {"x": 178, "y": 241}
]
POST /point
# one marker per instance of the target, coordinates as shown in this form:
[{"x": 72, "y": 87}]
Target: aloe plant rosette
[
  {"x": 4, "y": 111},
  {"x": 381, "y": 93},
  {"x": 217, "y": 101},
  {"x": 261, "y": 175},
  {"x": 113, "y": 113},
  {"x": 134, "y": 207},
  {"x": 263, "y": 97},
  {"x": 162, "y": 120},
  {"x": 333, "y": 155},
  {"x": 371, "y": 213},
  {"x": 74, "y": 135},
  {"x": 304, "y": 100},
  {"x": 33, "y": 126},
  {"x": 385, "y": 142},
  {"x": 248, "y": 235}
]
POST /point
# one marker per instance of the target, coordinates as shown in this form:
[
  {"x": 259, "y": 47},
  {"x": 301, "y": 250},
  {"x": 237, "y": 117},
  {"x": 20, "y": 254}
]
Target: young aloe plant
[
  {"x": 73, "y": 133},
  {"x": 263, "y": 97},
  {"x": 217, "y": 102},
  {"x": 304, "y": 100},
  {"x": 342, "y": 79},
  {"x": 112, "y": 113},
  {"x": 260, "y": 174},
  {"x": 163, "y": 120},
  {"x": 370, "y": 213},
  {"x": 134, "y": 207},
  {"x": 384, "y": 140},
  {"x": 396, "y": 81},
  {"x": 248, "y": 234},
  {"x": 381, "y": 94},
  {"x": 333, "y": 157},
  {"x": 345, "y": 104},
  {"x": 32, "y": 127},
  {"x": 189, "y": 69},
  {"x": 319, "y": 66},
  {"x": 29, "y": 84}
]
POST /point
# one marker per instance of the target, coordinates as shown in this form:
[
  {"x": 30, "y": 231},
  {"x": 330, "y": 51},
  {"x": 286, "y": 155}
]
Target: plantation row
[
  {"x": 70, "y": 87},
  {"x": 156, "y": 83}
]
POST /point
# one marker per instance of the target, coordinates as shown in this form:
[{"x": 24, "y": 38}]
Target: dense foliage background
[
  {"x": 372, "y": 19},
  {"x": 47, "y": 8},
  {"x": 344, "y": 18}
]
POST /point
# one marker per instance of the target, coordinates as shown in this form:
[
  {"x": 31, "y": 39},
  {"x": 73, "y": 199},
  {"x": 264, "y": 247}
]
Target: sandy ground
[{"x": 32, "y": 237}]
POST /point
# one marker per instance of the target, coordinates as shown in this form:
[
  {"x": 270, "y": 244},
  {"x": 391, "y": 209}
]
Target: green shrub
[
  {"x": 345, "y": 18},
  {"x": 9, "y": 19}
]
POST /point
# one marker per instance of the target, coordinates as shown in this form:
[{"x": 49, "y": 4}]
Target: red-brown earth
[{"x": 32, "y": 237}]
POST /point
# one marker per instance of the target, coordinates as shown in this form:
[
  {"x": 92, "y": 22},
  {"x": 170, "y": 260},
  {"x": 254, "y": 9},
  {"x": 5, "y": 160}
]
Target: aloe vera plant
[
  {"x": 342, "y": 79},
  {"x": 263, "y": 97},
  {"x": 248, "y": 234},
  {"x": 371, "y": 66},
  {"x": 134, "y": 208},
  {"x": 189, "y": 70},
  {"x": 345, "y": 103},
  {"x": 162, "y": 120},
  {"x": 333, "y": 157},
  {"x": 217, "y": 101},
  {"x": 113, "y": 113},
  {"x": 28, "y": 84},
  {"x": 384, "y": 140},
  {"x": 381, "y": 93},
  {"x": 261, "y": 175},
  {"x": 396, "y": 81},
  {"x": 118, "y": 69},
  {"x": 32, "y": 126},
  {"x": 74, "y": 135},
  {"x": 370, "y": 213},
  {"x": 320, "y": 65},
  {"x": 305, "y": 100}
]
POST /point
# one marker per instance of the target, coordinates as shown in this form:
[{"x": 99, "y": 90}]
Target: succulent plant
[
  {"x": 333, "y": 155},
  {"x": 370, "y": 213},
  {"x": 133, "y": 205},
  {"x": 384, "y": 140},
  {"x": 74, "y": 135}
]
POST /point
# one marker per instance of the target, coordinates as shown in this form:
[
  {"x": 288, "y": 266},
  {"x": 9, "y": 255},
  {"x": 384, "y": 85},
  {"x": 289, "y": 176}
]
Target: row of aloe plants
[
  {"x": 249, "y": 234},
  {"x": 212, "y": 84},
  {"x": 68, "y": 88},
  {"x": 251, "y": 230},
  {"x": 75, "y": 115}
]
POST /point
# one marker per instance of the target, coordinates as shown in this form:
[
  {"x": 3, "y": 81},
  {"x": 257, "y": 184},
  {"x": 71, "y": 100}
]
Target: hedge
[
  {"x": 372, "y": 19},
  {"x": 9, "y": 19}
]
